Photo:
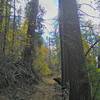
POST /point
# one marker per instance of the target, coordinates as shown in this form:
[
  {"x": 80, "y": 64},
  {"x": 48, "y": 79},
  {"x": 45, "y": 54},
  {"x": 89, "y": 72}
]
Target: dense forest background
[{"x": 33, "y": 63}]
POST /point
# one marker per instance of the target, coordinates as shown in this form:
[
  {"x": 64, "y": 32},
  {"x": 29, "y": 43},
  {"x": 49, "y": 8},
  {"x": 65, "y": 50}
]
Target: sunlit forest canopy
[{"x": 49, "y": 49}]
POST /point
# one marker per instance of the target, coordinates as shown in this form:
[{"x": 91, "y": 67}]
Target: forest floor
[{"x": 48, "y": 90}]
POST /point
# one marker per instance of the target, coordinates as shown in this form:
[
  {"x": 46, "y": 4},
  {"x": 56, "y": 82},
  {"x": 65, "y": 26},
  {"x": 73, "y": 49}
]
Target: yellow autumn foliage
[{"x": 41, "y": 61}]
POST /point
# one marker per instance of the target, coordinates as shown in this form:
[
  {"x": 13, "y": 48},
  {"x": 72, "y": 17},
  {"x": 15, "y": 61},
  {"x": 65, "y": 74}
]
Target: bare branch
[
  {"x": 92, "y": 46},
  {"x": 89, "y": 15},
  {"x": 87, "y": 5}
]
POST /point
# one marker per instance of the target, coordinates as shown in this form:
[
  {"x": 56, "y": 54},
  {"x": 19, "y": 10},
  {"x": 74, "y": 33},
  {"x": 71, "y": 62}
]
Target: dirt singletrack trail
[{"x": 49, "y": 90}]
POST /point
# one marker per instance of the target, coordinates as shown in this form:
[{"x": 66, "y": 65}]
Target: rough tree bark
[
  {"x": 29, "y": 52},
  {"x": 73, "y": 59}
]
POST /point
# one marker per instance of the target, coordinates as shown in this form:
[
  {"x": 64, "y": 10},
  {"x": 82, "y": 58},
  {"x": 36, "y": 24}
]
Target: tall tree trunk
[
  {"x": 2, "y": 2},
  {"x": 73, "y": 60},
  {"x": 6, "y": 26},
  {"x": 29, "y": 52},
  {"x": 14, "y": 26}
]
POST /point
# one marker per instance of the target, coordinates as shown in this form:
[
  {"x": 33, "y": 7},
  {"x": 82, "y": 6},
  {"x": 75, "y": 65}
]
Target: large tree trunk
[
  {"x": 73, "y": 60},
  {"x": 29, "y": 52}
]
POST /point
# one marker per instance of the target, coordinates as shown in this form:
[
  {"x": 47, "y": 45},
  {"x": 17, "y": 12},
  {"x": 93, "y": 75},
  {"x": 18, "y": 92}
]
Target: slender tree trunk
[
  {"x": 49, "y": 52},
  {"x": 14, "y": 26},
  {"x": 1, "y": 25},
  {"x": 73, "y": 60},
  {"x": 6, "y": 24}
]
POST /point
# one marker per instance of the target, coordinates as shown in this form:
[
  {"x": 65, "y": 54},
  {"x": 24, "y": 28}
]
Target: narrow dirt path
[{"x": 48, "y": 90}]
